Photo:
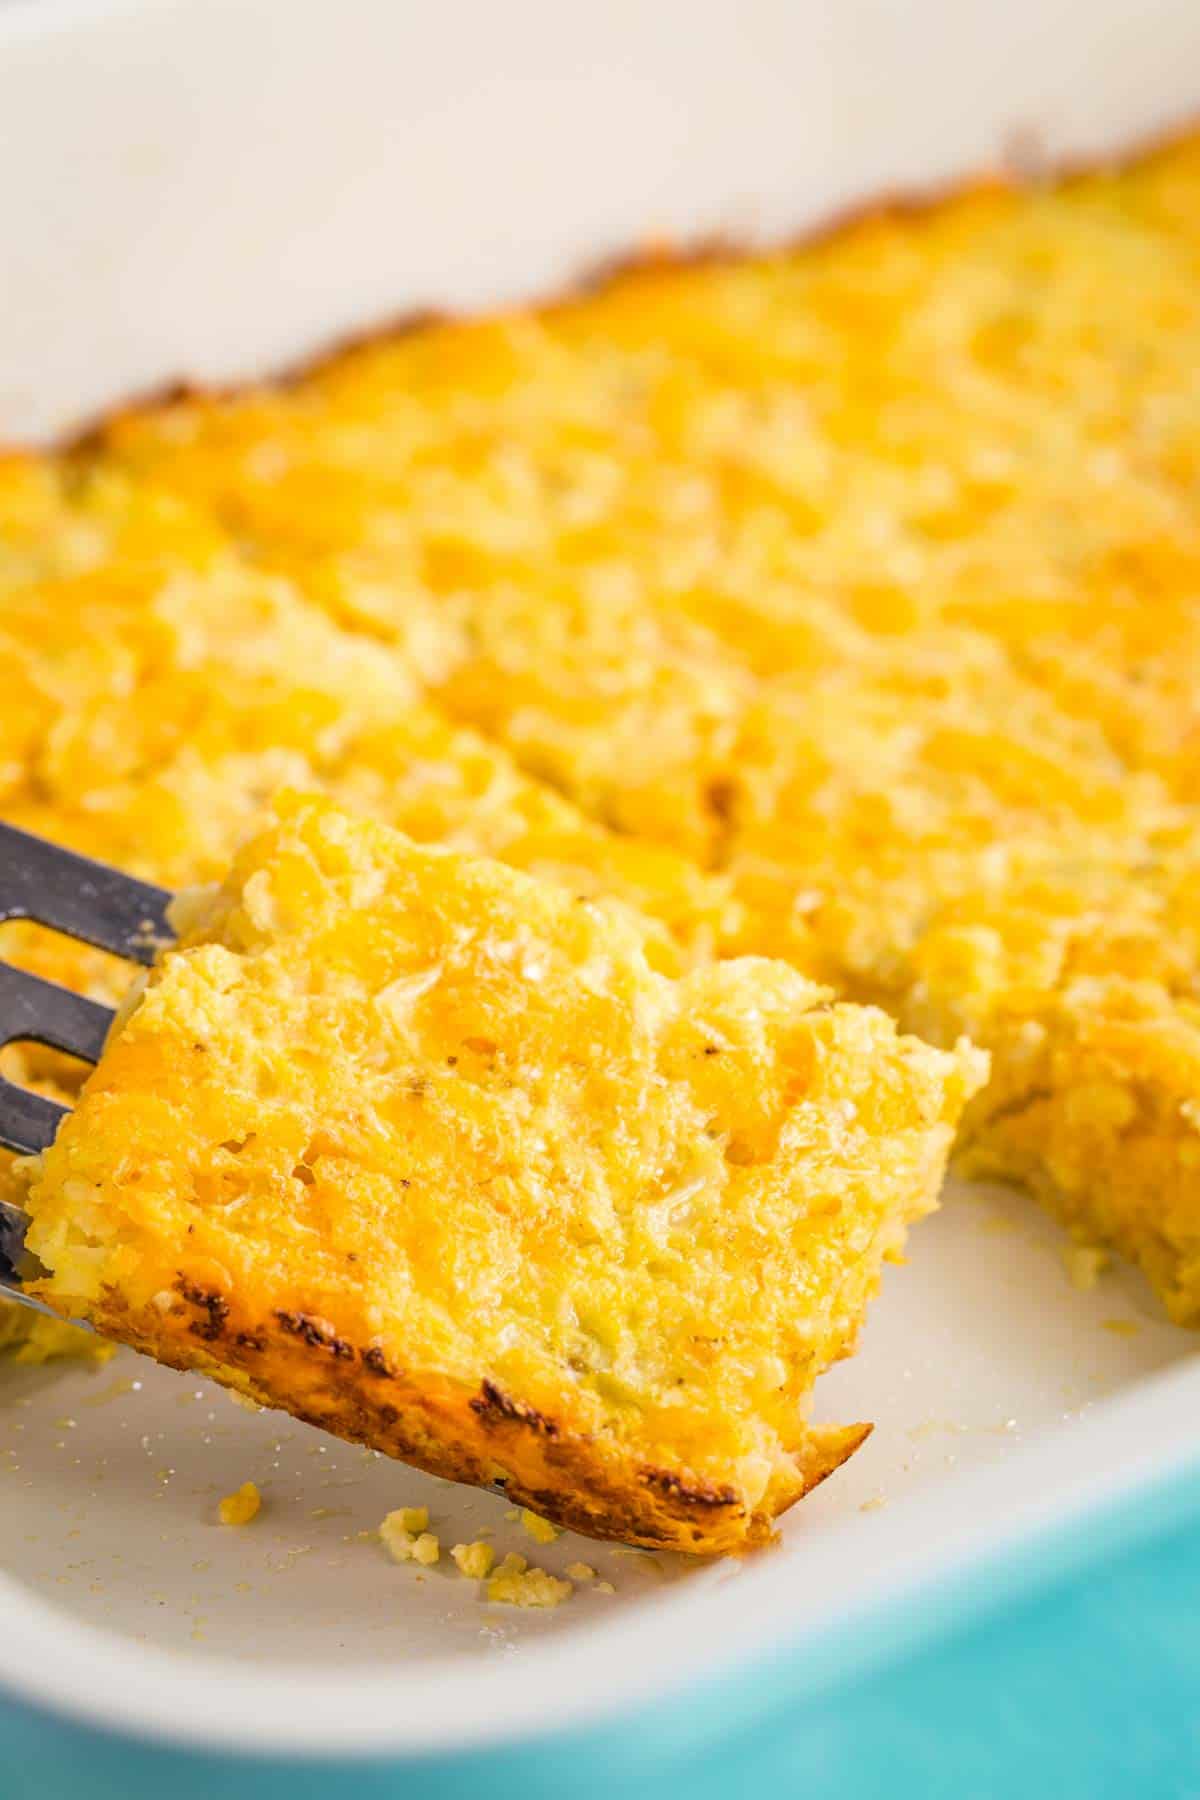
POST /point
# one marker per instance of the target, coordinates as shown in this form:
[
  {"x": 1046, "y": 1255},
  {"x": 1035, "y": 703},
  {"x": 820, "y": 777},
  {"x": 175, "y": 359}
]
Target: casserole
[{"x": 211, "y": 190}]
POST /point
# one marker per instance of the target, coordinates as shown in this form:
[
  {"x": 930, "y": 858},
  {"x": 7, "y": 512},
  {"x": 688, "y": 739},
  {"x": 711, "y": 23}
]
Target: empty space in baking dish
[{"x": 110, "y": 1477}]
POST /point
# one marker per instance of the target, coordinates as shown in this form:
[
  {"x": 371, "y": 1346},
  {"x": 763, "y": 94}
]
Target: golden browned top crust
[{"x": 863, "y": 573}]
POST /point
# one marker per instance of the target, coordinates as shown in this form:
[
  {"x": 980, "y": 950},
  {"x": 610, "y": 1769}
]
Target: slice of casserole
[{"x": 425, "y": 1151}]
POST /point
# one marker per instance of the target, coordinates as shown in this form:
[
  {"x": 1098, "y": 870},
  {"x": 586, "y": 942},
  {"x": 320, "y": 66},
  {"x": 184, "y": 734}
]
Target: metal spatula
[{"x": 98, "y": 905}]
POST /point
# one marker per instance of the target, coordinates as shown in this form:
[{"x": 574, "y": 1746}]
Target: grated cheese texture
[{"x": 865, "y": 575}]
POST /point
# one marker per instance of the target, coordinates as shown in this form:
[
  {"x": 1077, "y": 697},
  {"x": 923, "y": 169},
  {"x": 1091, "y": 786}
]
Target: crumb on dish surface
[
  {"x": 474, "y": 1560},
  {"x": 406, "y": 1538},
  {"x": 1085, "y": 1263},
  {"x": 514, "y": 1583},
  {"x": 244, "y": 1504},
  {"x": 412, "y": 1519},
  {"x": 539, "y": 1529}
]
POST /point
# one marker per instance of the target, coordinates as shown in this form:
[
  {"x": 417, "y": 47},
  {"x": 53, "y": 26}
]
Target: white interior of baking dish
[{"x": 205, "y": 189}]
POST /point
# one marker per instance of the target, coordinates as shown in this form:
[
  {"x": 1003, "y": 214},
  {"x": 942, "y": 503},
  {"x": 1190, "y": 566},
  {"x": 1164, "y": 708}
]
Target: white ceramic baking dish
[{"x": 208, "y": 189}]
